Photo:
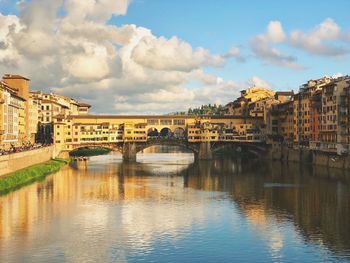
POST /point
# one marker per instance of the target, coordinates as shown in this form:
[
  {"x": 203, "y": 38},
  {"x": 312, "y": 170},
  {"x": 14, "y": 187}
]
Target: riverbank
[
  {"x": 30, "y": 174},
  {"x": 90, "y": 151},
  {"x": 305, "y": 155}
]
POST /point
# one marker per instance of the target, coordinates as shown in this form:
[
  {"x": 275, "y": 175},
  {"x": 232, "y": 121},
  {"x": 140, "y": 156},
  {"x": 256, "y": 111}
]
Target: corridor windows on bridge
[
  {"x": 179, "y": 122},
  {"x": 165, "y": 122},
  {"x": 152, "y": 122}
]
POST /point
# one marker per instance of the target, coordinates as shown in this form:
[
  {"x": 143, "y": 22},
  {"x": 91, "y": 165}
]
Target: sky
[{"x": 162, "y": 56}]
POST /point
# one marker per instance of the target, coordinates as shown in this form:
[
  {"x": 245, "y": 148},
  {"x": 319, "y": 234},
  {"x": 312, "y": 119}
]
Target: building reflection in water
[
  {"x": 106, "y": 193},
  {"x": 314, "y": 199}
]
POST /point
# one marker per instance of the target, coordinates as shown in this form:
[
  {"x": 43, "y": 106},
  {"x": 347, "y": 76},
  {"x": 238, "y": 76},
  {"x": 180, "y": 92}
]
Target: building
[
  {"x": 51, "y": 106},
  {"x": 303, "y": 112},
  {"x": 12, "y": 117},
  {"x": 20, "y": 86},
  {"x": 334, "y": 133},
  {"x": 241, "y": 106},
  {"x": 280, "y": 122},
  {"x": 78, "y": 130}
]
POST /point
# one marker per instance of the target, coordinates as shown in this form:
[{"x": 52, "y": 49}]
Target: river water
[{"x": 165, "y": 208}]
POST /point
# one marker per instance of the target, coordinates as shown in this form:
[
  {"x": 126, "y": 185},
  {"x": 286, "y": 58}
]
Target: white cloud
[
  {"x": 171, "y": 54},
  {"x": 123, "y": 69},
  {"x": 261, "y": 46},
  {"x": 275, "y": 32},
  {"x": 317, "y": 41},
  {"x": 95, "y": 10}
]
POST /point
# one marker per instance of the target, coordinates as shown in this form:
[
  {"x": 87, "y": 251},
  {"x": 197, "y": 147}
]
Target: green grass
[
  {"x": 30, "y": 174},
  {"x": 90, "y": 151}
]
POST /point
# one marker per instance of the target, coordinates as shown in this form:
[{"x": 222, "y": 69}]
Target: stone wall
[
  {"x": 16, "y": 161},
  {"x": 305, "y": 155}
]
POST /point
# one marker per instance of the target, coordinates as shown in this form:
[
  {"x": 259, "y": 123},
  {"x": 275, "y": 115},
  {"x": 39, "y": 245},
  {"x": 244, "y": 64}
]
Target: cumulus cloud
[
  {"x": 317, "y": 41},
  {"x": 325, "y": 39},
  {"x": 274, "y": 32},
  {"x": 172, "y": 54},
  {"x": 262, "y": 47},
  {"x": 69, "y": 47}
]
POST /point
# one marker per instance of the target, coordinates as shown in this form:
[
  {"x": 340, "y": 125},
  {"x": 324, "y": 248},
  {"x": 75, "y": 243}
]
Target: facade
[
  {"x": 319, "y": 113},
  {"x": 78, "y": 130},
  {"x": 49, "y": 107},
  {"x": 280, "y": 122},
  {"x": 303, "y": 112},
  {"x": 27, "y": 117},
  {"x": 12, "y": 114},
  {"x": 20, "y": 86},
  {"x": 334, "y": 134}
]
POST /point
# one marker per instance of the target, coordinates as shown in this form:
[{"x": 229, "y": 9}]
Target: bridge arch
[
  {"x": 165, "y": 132},
  {"x": 152, "y": 132},
  {"x": 167, "y": 142},
  {"x": 179, "y": 133}
]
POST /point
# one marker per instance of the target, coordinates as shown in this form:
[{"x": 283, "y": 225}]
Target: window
[
  {"x": 165, "y": 122},
  {"x": 153, "y": 122},
  {"x": 179, "y": 122},
  {"x": 47, "y": 107}
]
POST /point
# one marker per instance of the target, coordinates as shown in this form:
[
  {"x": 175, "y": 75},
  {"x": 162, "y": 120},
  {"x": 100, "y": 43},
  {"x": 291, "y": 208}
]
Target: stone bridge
[{"x": 201, "y": 150}]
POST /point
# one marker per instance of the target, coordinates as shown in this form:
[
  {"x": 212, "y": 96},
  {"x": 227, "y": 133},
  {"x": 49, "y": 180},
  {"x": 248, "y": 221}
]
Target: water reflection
[{"x": 167, "y": 208}]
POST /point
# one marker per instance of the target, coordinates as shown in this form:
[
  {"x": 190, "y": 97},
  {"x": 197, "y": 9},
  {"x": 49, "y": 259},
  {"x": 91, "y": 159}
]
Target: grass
[
  {"x": 90, "y": 151},
  {"x": 16, "y": 180}
]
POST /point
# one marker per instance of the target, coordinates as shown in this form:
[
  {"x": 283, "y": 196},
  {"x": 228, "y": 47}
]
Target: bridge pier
[
  {"x": 129, "y": 152},
  {"x": 205, "y": 152}
]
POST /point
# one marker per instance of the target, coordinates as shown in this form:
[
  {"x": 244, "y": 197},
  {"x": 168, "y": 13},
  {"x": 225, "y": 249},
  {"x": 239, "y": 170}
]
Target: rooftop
[{"x": 14, "y": 76}]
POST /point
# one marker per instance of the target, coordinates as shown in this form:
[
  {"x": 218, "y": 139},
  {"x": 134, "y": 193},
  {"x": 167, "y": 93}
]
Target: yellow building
[
  {"x": 335, "y": 128},
  {"x": 303, "y": 111},
  {"x": 20, "y": 85},
  {"x": 51, "y": 105},
  {"x": 12, "y": 113},
  {"x": 75, "y": 131},
  {"x": 280, "y": 122}
]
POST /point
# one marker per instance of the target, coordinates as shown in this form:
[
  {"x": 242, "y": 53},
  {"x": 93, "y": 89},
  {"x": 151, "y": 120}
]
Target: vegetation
[
  {"x": 203, "y": 110},
  {"x": 91, "y": 151},
  {"x": 30, "y": 174},
  {"x": 206, "y": 110}
]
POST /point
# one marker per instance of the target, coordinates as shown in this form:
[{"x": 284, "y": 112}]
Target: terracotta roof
[{"x": 14, "y": 76}]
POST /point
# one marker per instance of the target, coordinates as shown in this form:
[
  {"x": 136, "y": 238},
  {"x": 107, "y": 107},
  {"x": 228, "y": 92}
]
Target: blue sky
[
  {"x": 218, "y": 25},
  {"x": 176, "y": 47}
]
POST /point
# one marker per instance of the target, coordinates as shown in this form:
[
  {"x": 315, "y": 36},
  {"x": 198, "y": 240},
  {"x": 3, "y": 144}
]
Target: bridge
[{"x": 131, "y": 134}]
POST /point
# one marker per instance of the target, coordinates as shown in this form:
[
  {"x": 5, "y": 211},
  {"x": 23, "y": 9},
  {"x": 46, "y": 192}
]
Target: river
[{"x": 166, "y": 208}]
